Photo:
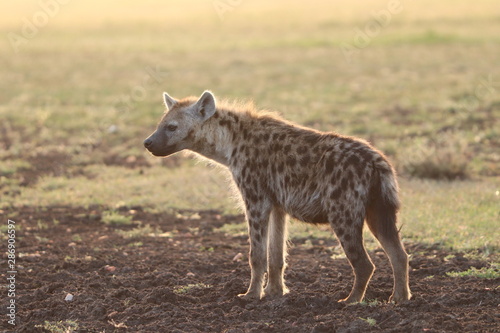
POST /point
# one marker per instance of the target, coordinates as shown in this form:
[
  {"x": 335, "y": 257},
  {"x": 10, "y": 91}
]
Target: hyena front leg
[
  {"x": 258, "y": 223},
  {"x": 277, "y": 253}
]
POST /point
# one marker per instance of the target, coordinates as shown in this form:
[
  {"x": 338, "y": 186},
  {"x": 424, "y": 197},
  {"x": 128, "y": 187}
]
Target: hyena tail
[{"x": 383, "y": 201}]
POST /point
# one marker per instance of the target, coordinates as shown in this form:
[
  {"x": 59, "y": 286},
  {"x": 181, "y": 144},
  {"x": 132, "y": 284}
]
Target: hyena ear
[
  {"x": 205, "y": 106},
  {"x": 169, "y": 101}
]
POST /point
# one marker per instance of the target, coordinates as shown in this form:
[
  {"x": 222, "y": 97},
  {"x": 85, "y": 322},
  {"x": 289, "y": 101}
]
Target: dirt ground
[{"x": 186, "y": 278}]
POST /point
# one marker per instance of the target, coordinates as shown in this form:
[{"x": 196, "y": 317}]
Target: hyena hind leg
[
  {"x": 382, "y": 223},
  {"x": 351, "y": 240}
]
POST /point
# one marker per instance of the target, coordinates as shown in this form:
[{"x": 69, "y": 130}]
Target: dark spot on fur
[
  {"x": 251, "y": 165},
  {"x": 302, "y": 150},
  {"x": 291, "y": 161},
  {"x": 354, "y": 161},
  {"x": 286, "y": 149},
  {"x": 281, "y": 168},
  {"x": 344, "y": 184},
  {"x": 350, "y": 175},
  {"x": 276, "y": 147},
  {"x": 304, "y": 160},
  {"x": 265, "y": 137},
  {"x": 330, "y": 163},
  {"x": 312, "y": 138},
  {"x": 336, "y": 194},
  {"x": 339, "y": 232},
  {"x": 352, "y": 249},
  {"x": 225, "y": 122},
  {"x": 235, "y": 117},
  {"x": 251, "y": 196}
]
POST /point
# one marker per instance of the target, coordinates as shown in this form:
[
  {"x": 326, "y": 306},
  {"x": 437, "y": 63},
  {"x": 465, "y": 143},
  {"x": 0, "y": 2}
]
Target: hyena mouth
[{"x": 164, "y": 151}]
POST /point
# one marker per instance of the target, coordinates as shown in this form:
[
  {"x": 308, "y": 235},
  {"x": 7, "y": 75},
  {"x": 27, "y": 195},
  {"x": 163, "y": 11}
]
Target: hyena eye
[{"x": 171, "y": 127}]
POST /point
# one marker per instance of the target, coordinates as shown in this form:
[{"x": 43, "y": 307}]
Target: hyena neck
[{"x": 215, "y": 138}]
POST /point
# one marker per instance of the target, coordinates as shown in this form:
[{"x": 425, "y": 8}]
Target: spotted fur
[{"x": 281, "y": 170}]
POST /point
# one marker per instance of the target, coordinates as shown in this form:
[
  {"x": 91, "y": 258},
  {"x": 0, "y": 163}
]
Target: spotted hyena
[{"x": 284, "y": 169}]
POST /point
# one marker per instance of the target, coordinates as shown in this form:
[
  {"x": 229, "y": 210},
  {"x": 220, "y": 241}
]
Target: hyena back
[{"x": 283, "y": 169}]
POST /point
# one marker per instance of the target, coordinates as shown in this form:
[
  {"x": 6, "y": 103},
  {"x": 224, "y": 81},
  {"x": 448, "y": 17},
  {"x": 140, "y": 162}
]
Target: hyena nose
[{"x": 148, "y": 142}]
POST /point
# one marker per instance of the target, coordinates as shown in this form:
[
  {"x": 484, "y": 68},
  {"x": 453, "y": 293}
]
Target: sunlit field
[{"x": 82, "y": 86}]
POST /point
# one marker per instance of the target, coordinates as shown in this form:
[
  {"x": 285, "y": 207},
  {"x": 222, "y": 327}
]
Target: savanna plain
[{"x": 144, "y": 244}]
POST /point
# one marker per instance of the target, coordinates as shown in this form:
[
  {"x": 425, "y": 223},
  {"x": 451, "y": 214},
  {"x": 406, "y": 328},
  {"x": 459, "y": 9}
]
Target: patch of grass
[
  {"x": 41, "y": 239},
  {"x": 492, "y": 272},
  {"x": 66, "y": 326},
  {"x": 190, "y": 287},
  {"x": 444, "y": 157},
  {"x": 42, "y": 225},
  {"x": 9, "y": 167},
  {"x": 370, "y": 321},
  {"x": 115, "y": 218},
  {"x": 459, "y": 215},
  {"x": 76, "y": 238},
  {"x": 140, "y": 231},
  {"x": 371, "y": 302}
]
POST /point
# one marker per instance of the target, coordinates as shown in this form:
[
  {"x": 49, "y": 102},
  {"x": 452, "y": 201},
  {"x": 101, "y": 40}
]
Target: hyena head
[{"x": 181, "y": 119}]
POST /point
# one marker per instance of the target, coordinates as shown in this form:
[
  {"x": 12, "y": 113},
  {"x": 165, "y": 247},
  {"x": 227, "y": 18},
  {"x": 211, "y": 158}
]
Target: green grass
[
  {"x": 66, "y": 326},
  {"x": 190, "y": 287},
  {"x": 85, "y": 91},
  {"x": 140, "y": 231},
  {"x": 370, "y": 321},
  {"x": 492, "y": 272},
  {"x": 111, "y": 217}
]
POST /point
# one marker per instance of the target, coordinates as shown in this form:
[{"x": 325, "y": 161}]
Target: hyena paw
[
  {"x": 250, "y": 296},
  {"x": 350, "y": 300},
  {"x": 400, "y": 297},
  {"x": 275, "y": 291}
]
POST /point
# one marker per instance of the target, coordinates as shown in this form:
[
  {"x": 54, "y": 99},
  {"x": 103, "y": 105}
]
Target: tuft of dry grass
[{"x": 443, "y": 157}]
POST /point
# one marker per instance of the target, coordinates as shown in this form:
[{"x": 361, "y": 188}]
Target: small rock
[
  {"x": 112, "y": 129},
  {"x": 131, "y": 159},
  {"x": 69, "y": 298},
  {"x": 109, "y": 268},
  {"x": 238, "y": 257}
]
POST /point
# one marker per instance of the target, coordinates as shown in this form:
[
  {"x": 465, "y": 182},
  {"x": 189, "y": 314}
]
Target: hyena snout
[
  {"x": 148, "y": 142},
  {"x": 158, "y": 145}
]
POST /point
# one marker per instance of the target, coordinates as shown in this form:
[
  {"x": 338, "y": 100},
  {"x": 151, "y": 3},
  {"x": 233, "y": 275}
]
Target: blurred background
[{"x": 81, "y": 86}]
